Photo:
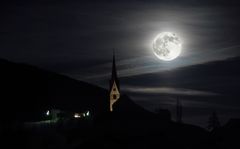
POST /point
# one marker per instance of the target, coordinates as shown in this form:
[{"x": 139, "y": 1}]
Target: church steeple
[
  {"x": 114, "y": 76},
  {"x": 114, "y": 88}
]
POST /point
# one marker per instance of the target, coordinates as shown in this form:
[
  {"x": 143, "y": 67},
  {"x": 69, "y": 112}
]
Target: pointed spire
[
  {"x": 114, "y": 71},
  {"x": 114, "y": 77}
]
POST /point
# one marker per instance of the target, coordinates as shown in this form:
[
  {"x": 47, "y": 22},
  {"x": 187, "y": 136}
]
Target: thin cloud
[
  {"x": 147, "y": 64},
  {"x": 169, "y": 90}
]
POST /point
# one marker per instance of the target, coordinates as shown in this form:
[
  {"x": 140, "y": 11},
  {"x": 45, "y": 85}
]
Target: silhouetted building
[{"x": 114, "y": 88}]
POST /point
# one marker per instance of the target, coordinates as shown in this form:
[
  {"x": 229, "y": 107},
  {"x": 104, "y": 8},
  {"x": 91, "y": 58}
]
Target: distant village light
[
  {"x": 77, "y": 115},
  {"x": 88, "y": 113},
  {"x": 48, "y": 113}
]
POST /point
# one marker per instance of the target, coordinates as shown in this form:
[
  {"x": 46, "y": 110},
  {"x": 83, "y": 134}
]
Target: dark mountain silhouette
[
  {"x": 220, "y": 76},
  {"x": 28, "y": 90}
]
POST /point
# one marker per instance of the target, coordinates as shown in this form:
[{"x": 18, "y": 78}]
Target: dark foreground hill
[{"x": 27, "y": 91}]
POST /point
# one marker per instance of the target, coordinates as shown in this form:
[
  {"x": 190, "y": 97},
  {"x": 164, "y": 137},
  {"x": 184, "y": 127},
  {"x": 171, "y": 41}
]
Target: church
[
  {"x": 123, "y": 106},
  {"x": 114, "y": 86}
]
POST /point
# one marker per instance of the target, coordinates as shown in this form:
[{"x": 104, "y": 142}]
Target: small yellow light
[{"x": 77, "y": 115}]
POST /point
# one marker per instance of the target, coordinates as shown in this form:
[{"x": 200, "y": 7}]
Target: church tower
[{"x": 114, "y": 88}]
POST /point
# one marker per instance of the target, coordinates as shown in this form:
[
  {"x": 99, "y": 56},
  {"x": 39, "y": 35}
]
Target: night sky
[{"x": 77, "y": 39}]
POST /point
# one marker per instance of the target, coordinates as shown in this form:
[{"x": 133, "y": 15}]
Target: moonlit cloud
[
  {"x": 149, "y": 64},
  {"x": 71, "y": 35},
  {"x": 169, "y": 91}
]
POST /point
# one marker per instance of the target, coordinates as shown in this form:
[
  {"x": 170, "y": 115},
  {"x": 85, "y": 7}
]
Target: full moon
[{"x": 167, "y": 46}]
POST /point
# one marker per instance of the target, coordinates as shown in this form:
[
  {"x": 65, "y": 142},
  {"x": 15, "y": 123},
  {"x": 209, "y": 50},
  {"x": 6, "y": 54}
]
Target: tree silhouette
[{"x": 213, "y": 122}]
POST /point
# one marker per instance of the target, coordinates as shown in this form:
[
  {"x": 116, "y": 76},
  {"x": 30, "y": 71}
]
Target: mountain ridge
[{"x": 29, "y": 88}]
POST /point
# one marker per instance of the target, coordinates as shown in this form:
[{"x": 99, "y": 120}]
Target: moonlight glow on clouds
[{"x": 170, "y": 91}]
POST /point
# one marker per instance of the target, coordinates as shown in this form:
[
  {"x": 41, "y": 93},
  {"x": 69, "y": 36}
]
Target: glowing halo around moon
[{"x": 167, "y": 46}]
